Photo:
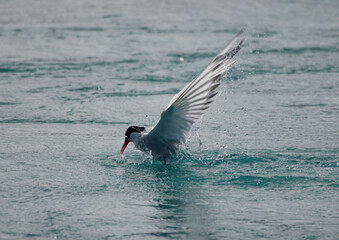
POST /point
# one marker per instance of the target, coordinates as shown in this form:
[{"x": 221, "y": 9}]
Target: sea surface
[{"x": 262, "y": 163}]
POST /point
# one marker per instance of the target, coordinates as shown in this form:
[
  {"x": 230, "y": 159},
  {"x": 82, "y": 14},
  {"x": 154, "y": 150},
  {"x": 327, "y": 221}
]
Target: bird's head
[{"x": 129, "y": 135}]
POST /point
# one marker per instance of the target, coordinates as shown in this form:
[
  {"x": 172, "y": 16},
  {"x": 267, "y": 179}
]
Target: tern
[{"x": 185, "y": 108}]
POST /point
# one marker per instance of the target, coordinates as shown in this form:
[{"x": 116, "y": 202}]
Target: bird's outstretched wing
[{"x": 191, "y": 102}]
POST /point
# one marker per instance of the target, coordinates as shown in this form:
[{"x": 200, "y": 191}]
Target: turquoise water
[{"x": 263, "y": 163}]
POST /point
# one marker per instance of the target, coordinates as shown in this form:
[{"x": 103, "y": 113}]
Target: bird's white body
[
  {"x": 157, "y": 147},
  {"x": 163, "y": 140}
]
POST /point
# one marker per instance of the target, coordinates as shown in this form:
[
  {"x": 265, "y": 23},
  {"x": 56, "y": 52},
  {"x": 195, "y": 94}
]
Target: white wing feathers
[{"x": 191, "y": 102}]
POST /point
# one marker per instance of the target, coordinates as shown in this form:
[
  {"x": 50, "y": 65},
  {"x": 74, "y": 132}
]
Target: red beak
[{"x": 124, "y": 146}]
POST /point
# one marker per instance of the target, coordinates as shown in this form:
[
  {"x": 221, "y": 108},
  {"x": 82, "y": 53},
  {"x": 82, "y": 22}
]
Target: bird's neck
[
  {"x": 139, "y": 140},
  {"x": 135, "y": 137}
]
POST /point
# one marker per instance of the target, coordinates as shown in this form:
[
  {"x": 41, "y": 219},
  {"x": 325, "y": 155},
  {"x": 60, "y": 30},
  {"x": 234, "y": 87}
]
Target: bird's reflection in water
[{"x": 175, "y": 192}]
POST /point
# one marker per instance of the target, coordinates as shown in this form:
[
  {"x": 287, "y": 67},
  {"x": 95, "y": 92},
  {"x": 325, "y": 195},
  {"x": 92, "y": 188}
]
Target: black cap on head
[{"x": 132, "y": 129}]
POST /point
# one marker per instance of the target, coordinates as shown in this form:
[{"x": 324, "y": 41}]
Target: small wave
[
  {"x": 40, "y": 89},
  {"x": 154, "y": 78},
  {"x": 111, "y": 16},
  {"x": 295, "y": 50},
  {"x": 7, "y": 103},
  {"x": 260, "y": 70},
  {"x": 124, "y": 61},
  {"x": 156, "y": 30},
  {"x": 6, "y": 70},
  {"x": 17, "y": 67},
  {"x": 134, "y": 93},
  {"x": 77, "y": 29},
  {"x": 61, "y": 121},
  {"x": 85, "y": 89},
  {"x": 305, "y": 105},
  {"x": 261, "y": 181}
]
